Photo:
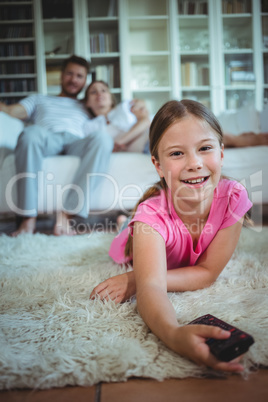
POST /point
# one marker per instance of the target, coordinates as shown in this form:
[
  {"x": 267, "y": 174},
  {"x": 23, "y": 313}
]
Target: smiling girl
[{"x": 183, "y": 231}]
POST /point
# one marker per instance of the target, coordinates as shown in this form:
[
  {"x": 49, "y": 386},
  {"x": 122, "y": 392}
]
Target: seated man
[{"x": 58, "y": 128}]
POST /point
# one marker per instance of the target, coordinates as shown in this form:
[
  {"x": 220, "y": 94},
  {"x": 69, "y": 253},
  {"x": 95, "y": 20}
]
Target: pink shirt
[{"x": 230, "y": 203}]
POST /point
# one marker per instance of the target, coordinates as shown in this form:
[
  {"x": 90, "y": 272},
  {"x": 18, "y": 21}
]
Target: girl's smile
[{"x": 196, "y": 182}]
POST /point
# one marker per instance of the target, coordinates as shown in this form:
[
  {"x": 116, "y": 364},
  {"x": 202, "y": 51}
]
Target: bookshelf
[
  {"x": 264, "y": 42},
  {"x": 18, "y": 75},
  {"x": 193, "y": 50},
  {"x": 104, "y": 49},
  {"x": 148, "y": 59},
  {"x": 58, "y": 35},
  {"x": 240, "y": 77},
  {"x": 214, "y": 51}
]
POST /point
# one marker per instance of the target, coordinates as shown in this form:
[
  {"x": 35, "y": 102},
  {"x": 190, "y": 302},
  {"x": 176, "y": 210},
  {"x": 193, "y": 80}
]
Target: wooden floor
[{"x": 231, "y": 389}]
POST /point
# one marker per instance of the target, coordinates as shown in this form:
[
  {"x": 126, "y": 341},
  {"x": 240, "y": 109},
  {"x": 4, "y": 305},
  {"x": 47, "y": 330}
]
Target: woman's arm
[
  {"x": 134, "y": 132},
  {"x": 143, "y": 123},
  {"x": 16, "y": 110},
  {"x": 149, "y": 259},
  {"x": 209, "y": 265}
]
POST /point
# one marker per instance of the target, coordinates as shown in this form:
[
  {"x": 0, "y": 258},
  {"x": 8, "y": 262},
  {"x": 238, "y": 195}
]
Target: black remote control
[{"x": 226, "y": 349}]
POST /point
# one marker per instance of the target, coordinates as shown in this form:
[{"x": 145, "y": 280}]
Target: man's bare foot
[
  {"x": 63, "y": 225},
  {"x": 26, "y": 226}
]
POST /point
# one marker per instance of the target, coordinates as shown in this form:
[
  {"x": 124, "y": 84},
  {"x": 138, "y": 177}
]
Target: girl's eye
[
  {"x": 206, "y": 148},
  {"x": 177, "y": 153}
]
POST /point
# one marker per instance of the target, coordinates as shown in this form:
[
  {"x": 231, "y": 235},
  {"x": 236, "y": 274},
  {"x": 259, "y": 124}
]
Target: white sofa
[{"x": 128, "y": 176}]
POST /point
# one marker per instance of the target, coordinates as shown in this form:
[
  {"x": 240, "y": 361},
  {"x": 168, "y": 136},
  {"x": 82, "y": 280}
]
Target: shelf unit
[
  {"x": 238, "y": 54},
  {"x": 104, "y": 51},
  {"x": 264, "y": 43},
  {"x": 58, "y": 32},
  {"x": 214, "y": 51},
  {"x": 147, "y": 51},
  {"x": 18, "y": 73},
  {"x": 193, "y": 51}
]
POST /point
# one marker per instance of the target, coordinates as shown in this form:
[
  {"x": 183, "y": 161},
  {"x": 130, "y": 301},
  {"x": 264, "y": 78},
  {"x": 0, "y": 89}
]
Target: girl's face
[
  {"x": 190, "y": 159},
  {"x": 99, "y": 98}
]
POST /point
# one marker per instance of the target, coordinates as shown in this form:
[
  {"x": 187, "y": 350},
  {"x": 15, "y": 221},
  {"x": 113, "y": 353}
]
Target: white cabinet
[
  {"x": 146, "y": 51},
  {"x": 240, "y": 71},
  {"x": 193, "y": 50},
  {"x": 214, "y": 51}
]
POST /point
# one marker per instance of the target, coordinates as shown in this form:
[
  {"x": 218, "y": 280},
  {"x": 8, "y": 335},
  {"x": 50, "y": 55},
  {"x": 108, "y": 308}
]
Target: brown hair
[
  {"x": 75, "y": 60},
  {"x": 170, "y": 113},
  {"x": 87, "y": 94}
]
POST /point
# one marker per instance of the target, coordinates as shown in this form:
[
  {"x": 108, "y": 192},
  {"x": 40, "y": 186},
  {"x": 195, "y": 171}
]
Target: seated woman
[{"x": 128, "y": 122}]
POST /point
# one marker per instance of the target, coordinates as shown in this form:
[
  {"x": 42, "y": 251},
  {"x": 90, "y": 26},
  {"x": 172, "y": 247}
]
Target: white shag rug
[{"x": 52, "y": 335}]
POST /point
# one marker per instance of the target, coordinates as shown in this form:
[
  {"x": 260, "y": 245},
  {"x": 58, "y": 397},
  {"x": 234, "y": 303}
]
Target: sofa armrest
[{"x": 10, "y": 129}]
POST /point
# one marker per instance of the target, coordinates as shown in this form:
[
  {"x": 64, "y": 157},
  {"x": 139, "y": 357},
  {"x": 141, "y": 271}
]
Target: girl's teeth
[{"x": 194, "y": 181}]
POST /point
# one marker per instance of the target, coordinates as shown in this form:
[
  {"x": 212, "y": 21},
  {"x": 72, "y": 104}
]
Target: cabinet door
[
  {"x": 146, "y": 51},
  {"x": 103, "y": 27},
  {"x": 18, "y": 76},
  {"x": 194, "y": 50},
  {"x": 238, "y": 54}
]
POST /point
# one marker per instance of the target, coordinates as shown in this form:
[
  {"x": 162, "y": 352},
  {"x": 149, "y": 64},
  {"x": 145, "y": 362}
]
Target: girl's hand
[
  {"x": 190, "y": 341},
  {"x": 118, "y": 288}
]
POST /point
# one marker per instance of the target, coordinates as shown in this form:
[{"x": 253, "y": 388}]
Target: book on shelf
[
  {"x": 16, "y": 31},
  {"x": 16, "y": 49},
  {"x": 11, "y": 67},
  {"x": 108, "y": 73},
  {"x": 194, "y": 74},
  {"x": 242, "y": 77},
  {"x": 20, "y": 85},
  {"x": 53, "y": 75},
  {"x": 189, "y": 74},
  {"x": 187, "y": 7},
  {"x": 104, "y": 42},
  {"x": 236, "y": 6},
  {"x": 239, "y": 72}
]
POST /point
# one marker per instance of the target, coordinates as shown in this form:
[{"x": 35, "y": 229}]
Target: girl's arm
[
  {"x": 150, "y": 271},
  {"x": 121, "y": 287},
  {"x": 209, "y": 265}
]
